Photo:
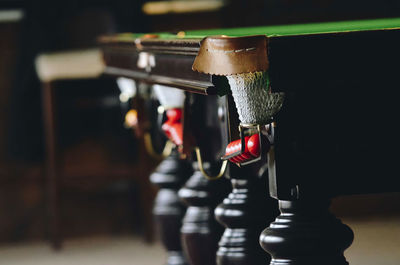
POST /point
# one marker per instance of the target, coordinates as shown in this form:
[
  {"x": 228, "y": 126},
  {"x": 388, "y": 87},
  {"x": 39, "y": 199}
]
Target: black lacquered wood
[
  {"x": 168, "y": 209},
  {"x": 200, "y": 231},
  {"x": 244, "y": 213},
  {"x": 338, "y": 112},
  {"x": 305, "y": 233},
  {"x": 173, "y": 65},
  {"x": 335, "y": 132}
]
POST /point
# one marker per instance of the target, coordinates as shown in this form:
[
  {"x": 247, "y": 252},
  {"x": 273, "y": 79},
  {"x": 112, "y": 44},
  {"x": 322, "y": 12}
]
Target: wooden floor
[
  {"x": 94, "y": 251},
  {"x": 377, "y": 241}
]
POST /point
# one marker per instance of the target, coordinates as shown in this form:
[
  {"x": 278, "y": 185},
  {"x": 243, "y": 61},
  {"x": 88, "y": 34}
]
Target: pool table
[{"x": 335, "y": 133}]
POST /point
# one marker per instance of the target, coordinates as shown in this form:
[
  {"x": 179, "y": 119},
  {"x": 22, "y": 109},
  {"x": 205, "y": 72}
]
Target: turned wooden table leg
[
  {"x": 200, "y": 232},
  {"x": 168, "y": 209},
  {"x": 305, "y": 233},
  {"x": 244, "y": 213}
]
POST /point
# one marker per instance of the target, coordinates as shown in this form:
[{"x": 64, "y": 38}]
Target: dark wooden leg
[
  {"x": 200, "y": 232},
  {"x": 244, "y": 212},
  {"x": 51, "y": 163},
  {"x": 306, "y": 234},
  {"x": 168, "y": 209}
]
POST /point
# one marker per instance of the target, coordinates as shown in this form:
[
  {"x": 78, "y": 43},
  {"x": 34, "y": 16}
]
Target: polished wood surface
[
  {"x": 202, "y": 129},
  {"x": 341, "y": 113},
  {"x": 306, "y": 233},
  {"x": 168, "y": 210},
  {"x": 200, "y": 232},
  {"x": 244, "y": 213}
]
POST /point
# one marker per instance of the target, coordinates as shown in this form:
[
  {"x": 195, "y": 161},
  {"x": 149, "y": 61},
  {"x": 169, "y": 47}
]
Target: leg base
[{"x": 305, "y": 233}]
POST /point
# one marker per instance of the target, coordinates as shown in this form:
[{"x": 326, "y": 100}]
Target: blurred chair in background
[
  {"x": 71, "y": 65},
  {"x": 53, "y": 68}
]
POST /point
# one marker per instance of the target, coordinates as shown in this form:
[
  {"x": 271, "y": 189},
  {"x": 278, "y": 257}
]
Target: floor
[
  {"x": 95, "y": 251},
  {"x": 377, "y": 241}
]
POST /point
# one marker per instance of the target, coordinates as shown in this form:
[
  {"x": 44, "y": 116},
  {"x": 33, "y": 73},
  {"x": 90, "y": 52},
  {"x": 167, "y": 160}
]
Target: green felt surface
[
  {"x": 284, "y": 30},
  {"x": 301, "y": 29}
]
